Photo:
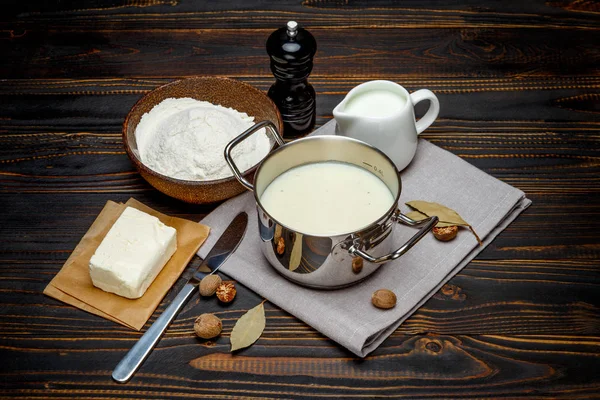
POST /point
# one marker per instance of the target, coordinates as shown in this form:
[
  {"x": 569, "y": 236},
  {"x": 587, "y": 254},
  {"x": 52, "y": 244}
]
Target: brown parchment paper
[{"x": 73, "y": 284}]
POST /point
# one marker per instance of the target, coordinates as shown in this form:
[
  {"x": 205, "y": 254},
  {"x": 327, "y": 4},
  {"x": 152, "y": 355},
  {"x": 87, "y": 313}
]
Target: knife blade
[{"x": 220, "y": 252}]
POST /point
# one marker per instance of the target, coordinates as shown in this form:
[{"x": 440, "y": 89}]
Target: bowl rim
[{"x": 143, "y": 167}]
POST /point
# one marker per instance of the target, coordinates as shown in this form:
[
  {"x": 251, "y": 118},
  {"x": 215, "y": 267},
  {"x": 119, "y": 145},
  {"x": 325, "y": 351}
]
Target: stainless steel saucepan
[{"x": 326, "y": 261}]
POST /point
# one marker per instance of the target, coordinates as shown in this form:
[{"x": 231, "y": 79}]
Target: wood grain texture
[
  {"x": 436, "y": 52},
  {"x": 519, "y": 85},
  {"x": 328, "y": 14}
]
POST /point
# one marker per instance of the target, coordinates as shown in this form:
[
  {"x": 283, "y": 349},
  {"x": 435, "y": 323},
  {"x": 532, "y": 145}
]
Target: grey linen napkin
[{"x": 347, "y": 315}]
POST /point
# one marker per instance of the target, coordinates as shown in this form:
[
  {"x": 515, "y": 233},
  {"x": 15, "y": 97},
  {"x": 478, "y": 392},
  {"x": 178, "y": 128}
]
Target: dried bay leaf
[
  {"x": 248, "y": 328},
  {"x": 418, "y": 216},
  {"x": 445, "y": 214},
  {"x": 296, "y": 255}
]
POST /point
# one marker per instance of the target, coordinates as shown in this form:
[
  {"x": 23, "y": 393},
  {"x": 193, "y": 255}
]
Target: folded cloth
[{"x": 347, "y": 315}]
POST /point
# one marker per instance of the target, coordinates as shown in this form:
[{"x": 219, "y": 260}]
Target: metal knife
[{"x": 223, "y": 248}]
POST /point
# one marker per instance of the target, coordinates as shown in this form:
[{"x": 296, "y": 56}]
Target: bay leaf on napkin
[
  {"x": 347, "y": 315},
  {"x": 73, "y": 284}
]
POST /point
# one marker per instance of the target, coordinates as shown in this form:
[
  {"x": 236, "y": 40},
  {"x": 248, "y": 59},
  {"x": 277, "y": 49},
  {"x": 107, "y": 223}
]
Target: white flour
[{"x": 185, "y": 138}]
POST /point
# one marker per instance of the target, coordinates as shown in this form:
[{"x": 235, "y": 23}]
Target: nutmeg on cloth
[{"x": 347, "y": 315}]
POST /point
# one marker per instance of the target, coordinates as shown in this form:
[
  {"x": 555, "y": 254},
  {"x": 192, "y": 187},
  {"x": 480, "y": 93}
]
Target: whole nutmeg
[
  {"x": 226, "y": 292},
  {"x": 383, "y": 298},
  {"x": 208, "y": 326},
  {"x": 209, "y": 285},
  {"x": 445, "y": 233},
  {"x": 357, "y": 264},
  {"x": 280, "y": 246}
]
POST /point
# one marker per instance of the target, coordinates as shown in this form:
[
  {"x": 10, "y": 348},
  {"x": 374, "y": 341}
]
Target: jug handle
[
  {"x": 398, "y": 217},
  {"x": 237, "y": 140},
  {"x": 432, "y": 112}
]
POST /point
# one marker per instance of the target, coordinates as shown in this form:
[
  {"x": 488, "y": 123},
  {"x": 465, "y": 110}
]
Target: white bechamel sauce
[
  {"x": 327, "y": 198},
  {"x": 375, "y": 103}
]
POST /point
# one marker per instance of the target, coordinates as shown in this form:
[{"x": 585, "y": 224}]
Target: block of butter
[{"x": 132, "y": 254}]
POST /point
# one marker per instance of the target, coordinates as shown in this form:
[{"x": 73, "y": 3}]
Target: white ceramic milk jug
[{"x": 382, "y": 114}]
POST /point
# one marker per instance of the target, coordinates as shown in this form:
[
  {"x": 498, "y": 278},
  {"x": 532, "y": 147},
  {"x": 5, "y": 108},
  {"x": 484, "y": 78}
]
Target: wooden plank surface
[
  {"x": 519, "y": 86},
  {"x": 435, "y": 52}
]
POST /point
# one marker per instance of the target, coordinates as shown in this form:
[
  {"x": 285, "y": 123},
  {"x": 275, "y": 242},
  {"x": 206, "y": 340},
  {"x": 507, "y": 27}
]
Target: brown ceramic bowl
[{"x": 217, "y": 90}]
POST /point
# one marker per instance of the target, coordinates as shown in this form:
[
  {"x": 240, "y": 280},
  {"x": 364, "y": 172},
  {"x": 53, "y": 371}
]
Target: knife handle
[{"x": 138, "y": 353}]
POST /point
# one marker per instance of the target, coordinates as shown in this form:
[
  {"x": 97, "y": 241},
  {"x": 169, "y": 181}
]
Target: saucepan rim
[{"x": 297, "y": 142}]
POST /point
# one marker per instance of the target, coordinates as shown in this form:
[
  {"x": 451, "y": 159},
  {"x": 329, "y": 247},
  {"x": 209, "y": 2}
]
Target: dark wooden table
[{"x": 519, "y": 87}]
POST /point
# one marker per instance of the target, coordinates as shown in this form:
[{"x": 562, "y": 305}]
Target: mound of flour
[{"x": 185, "y": 138}]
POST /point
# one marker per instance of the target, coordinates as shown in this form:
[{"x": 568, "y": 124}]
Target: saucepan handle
[
  {"x": 428, "y": 225},
  {"x": 229, "y": 148}
]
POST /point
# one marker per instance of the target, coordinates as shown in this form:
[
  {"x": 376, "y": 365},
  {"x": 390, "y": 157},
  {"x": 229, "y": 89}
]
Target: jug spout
[{"x": 343, "y": 119}]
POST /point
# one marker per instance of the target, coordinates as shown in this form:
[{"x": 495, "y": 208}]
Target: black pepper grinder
[{"x": 291, "y": 50}]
